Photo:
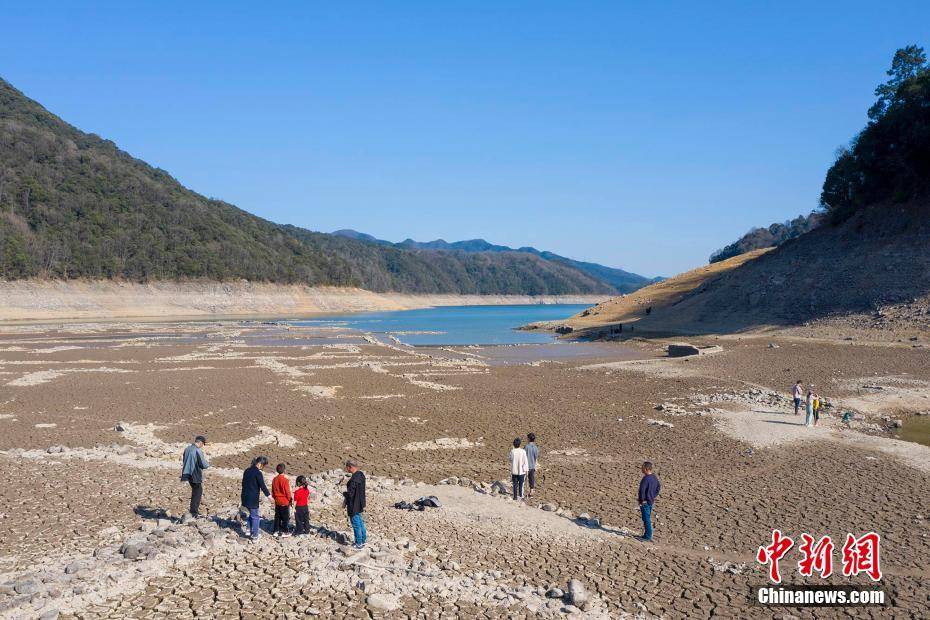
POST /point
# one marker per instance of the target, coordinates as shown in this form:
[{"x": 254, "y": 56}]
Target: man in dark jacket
[
  {"x": 192, "y": 465},
  {"x": 355, "y": 502},
  {"x": 648, "y": 491},
  {"x": 253, "y": 483}
]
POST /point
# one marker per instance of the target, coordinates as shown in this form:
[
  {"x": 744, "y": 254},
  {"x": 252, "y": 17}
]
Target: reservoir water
[
  {"x": 917, "y": 429},
  {"x": 454, "y": 325}
]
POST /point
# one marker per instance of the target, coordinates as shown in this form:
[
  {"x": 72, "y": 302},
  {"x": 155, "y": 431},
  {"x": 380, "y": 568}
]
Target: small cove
[{"x": 452, "y": 325}]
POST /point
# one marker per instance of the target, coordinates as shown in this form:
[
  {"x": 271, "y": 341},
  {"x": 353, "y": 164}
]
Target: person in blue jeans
[
  {"x": 648, "y": 491},
  {"x": 253, "y": 483},
  {"x": 355, "y": 502}
]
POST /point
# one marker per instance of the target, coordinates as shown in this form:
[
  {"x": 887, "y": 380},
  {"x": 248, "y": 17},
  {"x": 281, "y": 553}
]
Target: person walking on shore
[
  {"x": 797, "y": 393},
  {"x": 355, "y": 502},
  {"x": 519, "y": 467},
  {"x": 649, "y": 488},
  {"x": 281, "y": 493},
  {"x": 253, "y": 483},
  {"x": 809, "y": 420},
  {"x": 532, "y": 458},
  {"x": 193, "y": 463}
]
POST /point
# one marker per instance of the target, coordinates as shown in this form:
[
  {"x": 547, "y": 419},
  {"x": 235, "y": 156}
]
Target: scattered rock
[
  {"x": 26, "y": 586},
  {"x": 131, "y": 550},
  {"x": 727, "y": 567},
  {"x": 662, "y": 423},
  {"x": 670, "y": 409},
  {"x": 577, "y": 595},
  {"x": 499, "y": 487},
  {"x": 382, "y": 602}
]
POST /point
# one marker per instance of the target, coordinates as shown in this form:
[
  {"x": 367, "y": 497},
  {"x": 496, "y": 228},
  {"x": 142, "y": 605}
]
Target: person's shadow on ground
[
  {"x": 150, "y": 513},
  {"x": 595, "y": 524},
  {"x": 239, "y": 523}
]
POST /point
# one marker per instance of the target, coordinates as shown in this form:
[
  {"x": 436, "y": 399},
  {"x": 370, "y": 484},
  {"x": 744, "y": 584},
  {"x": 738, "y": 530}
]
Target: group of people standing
[
  {"x": 813, "y": 403},
  {"x": 194, "y": 461},
  {"x": 523, "y": 464},
  {"x": 253, "y": 486}
]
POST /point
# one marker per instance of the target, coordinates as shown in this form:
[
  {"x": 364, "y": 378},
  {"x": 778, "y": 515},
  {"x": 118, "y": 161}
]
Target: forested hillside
[
  {"x": 622, "y": 281},
  {"x": 772, "y": 236},
  {"x": 889, "y": 161},
  {"x": 72, "y": 205}
]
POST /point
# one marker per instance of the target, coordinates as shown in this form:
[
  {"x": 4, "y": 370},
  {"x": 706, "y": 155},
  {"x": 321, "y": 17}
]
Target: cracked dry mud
[{"x": 89, "y": 517}]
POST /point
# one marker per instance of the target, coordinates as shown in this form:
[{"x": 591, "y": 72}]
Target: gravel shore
[{"x": 93, "y": 419}]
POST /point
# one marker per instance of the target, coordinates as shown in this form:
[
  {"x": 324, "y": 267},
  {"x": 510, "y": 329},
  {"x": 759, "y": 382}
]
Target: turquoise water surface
[{"x": 459, "y": 325}]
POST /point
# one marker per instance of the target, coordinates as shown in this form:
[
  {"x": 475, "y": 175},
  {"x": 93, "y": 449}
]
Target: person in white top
[
  {"x": 811, "y": 396},
  {"x": 798, "y": 393},
  {"x": 519, "y": 466}
]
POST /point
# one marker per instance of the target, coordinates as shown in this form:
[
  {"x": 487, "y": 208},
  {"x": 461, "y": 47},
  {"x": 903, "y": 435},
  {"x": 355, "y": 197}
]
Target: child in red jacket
[
  {"x": 281, "y": 492},
  {"x": 302, "y": 507}
]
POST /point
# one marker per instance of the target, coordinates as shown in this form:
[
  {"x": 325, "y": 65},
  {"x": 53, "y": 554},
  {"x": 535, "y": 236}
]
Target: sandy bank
[{"x": 34, "y": 300}]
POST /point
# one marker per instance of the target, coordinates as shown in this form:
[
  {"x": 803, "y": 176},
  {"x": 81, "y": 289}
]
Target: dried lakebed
[{"x": 91, "y": 502}]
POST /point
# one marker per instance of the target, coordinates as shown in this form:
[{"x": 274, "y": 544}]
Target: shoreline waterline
[{"x": 52, "y": 301}]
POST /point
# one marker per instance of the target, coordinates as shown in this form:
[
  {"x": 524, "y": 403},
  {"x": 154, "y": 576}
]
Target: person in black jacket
[
  {"x": 355, "y": 502},
  {"x": 253, "y": 482},
  {"x": 649, "y": 488}
]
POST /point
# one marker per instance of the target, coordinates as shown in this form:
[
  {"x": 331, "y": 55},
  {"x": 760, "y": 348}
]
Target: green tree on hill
[
  {"x": 889, "y": 161},
  {"x": 907, "y": 64}
]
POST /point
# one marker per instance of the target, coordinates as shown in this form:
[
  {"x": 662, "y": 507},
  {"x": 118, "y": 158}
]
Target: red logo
[
  {"x": 817, "y": 557},
  {"x": 773, "y": 553},
  {"x": 860, "y": 555}
]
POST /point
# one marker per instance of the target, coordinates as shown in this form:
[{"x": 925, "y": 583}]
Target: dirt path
[{"x": 767, "y": 429}]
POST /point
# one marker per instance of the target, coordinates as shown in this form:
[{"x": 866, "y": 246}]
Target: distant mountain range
[
  {"x": 622, "y": 281},
  {"x": 73, "y": 205}
]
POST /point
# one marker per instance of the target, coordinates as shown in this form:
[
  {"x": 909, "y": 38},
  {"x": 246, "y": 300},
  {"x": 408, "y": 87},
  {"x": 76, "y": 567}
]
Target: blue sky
[{"x": 641, "y": 138}]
